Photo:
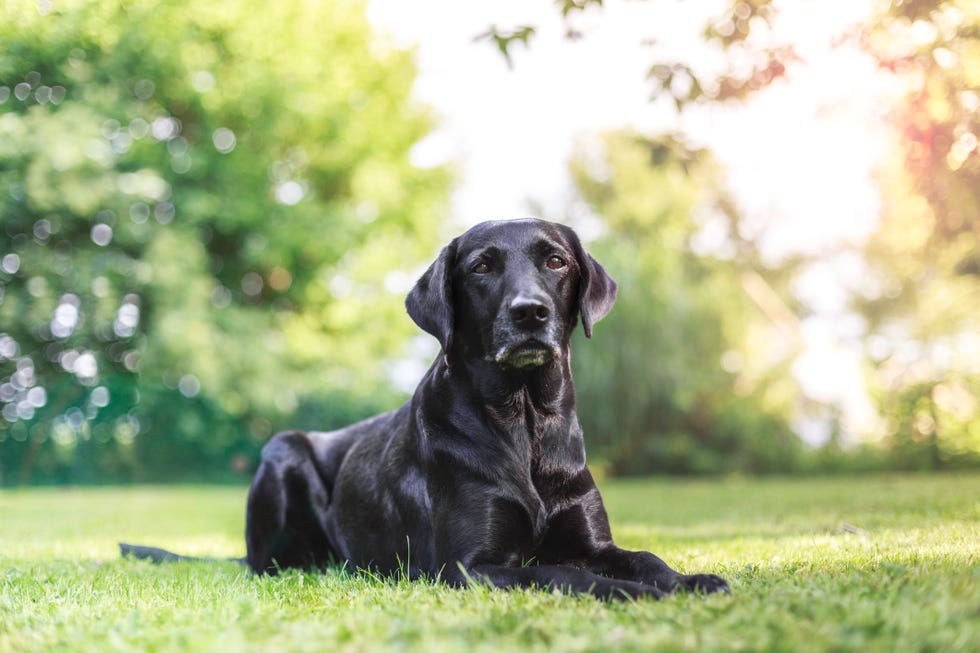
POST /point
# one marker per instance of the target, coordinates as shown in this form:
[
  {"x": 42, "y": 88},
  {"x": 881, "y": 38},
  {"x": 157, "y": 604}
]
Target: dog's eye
[
  {"x": 481, "y": 268},
  {"x": 556, "y": 262}
]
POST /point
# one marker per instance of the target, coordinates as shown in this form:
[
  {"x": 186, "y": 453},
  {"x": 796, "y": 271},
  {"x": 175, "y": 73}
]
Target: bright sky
[{"x": 800, "y": 156}]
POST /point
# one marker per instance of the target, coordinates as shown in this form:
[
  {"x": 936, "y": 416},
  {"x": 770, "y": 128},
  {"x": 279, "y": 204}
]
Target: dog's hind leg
[{"x": 287, "y": 507}]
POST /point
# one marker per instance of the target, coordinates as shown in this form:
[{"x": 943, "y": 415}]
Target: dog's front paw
[{"x": 703, "y": 583}]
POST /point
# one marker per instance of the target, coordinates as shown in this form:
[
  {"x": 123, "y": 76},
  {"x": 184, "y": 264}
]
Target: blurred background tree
[
  {"x": 210, "y": 218},
  {"x": 671, "y": 384},
  {"x": 922, "y": 301},
  {"x": 916, "y": 301},
  {"x": 919, "y": 295},
  {"x": 193, "y": 197}
]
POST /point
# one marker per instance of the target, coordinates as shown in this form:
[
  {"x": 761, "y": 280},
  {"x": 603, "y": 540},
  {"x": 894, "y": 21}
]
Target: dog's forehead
[{"x": 510, "y": 235}]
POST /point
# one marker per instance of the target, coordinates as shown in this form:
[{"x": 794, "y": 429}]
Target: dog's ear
[
  {"x": 430, "y": 302},
  {"x": 596, "y": 289}
]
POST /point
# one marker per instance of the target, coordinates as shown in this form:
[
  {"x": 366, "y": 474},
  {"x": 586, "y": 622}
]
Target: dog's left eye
[{"x": 556, "y": 262}]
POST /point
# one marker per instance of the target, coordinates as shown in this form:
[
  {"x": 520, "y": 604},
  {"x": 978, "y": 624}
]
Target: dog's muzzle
[
  {"x": 527, "y": 354},
  {"x": 525, "y": 332}
]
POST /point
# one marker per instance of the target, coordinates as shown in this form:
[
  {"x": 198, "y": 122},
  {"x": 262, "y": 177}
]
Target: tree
[
  {"x": 193, "y": 195},
  {"x": 675, "y": 381},
  {"x": 919, "y": 296},
  {"x": 925, "y": 259}
]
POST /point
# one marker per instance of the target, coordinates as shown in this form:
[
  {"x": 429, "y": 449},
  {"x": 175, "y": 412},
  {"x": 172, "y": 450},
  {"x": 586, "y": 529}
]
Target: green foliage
[
  {"x": 193, "y": 195},
  {"x": 886, "y": 563},
  {"x": 924, "y": 260},
  {"x": 918, "y": 298},
  {"x": 653, "y": 392},
  {"x": 504, "y": 39},
  {"x": 750, "y": 66}
]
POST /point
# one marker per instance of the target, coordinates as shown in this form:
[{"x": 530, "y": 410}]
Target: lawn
[{"x": 879, "y": 563}]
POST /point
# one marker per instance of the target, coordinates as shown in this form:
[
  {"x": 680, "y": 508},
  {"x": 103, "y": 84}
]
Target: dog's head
[{"x": 511, "y": 292}]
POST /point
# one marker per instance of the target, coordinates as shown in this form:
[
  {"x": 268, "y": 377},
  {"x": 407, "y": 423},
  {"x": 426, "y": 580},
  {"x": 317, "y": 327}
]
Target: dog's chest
[{"x": 545, "y": 455}]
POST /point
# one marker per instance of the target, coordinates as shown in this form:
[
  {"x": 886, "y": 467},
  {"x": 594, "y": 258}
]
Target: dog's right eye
[{"x": 481, "y": 268}]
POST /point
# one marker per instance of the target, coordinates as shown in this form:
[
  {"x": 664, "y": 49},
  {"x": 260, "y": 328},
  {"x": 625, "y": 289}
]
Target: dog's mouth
[{"x": 527, "y": 354}]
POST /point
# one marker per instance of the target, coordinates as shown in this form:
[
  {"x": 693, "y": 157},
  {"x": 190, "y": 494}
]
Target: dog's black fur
[{"x": 481, "y": 476}]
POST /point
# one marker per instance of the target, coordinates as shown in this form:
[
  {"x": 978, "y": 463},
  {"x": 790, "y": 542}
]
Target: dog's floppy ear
[
  {"x": 596, "y": 289},
  {"x": 430, "y": 302}
]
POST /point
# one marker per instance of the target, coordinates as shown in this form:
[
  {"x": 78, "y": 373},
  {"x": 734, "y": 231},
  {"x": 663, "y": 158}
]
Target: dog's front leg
[
  {"x": 490, "y": 550},
  {"x": 563, "y": 578},
  {"x": 644, "y": 567}
]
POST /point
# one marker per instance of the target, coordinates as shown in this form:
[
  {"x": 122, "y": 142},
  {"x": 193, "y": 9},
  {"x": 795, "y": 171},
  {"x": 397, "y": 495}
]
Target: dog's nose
[{"x": 528, "y": 313}]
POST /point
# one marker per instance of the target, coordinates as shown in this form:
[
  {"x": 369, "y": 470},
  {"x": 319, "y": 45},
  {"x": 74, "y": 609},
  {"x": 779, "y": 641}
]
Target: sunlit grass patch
[{"x": 888, "y": 563}]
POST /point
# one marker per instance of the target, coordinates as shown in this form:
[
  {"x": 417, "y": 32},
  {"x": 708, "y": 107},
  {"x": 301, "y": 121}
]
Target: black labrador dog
[{"x": 481, "y": 476}]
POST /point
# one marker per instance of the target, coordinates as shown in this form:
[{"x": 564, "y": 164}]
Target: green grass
[{"x": 883, "y": 563}]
